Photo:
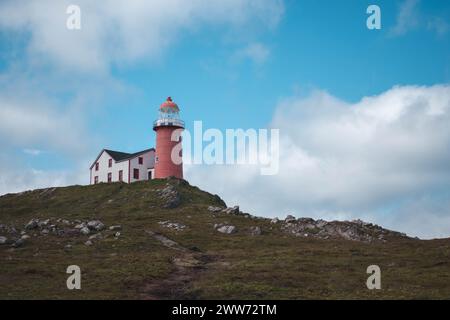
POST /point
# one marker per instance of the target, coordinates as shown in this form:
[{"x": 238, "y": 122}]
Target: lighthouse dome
[{"x": 169, "y": 106}]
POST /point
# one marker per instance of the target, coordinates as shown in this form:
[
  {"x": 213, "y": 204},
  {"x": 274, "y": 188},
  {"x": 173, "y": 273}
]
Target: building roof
[
  {"x": 121, "y": 156},
  {"x": 169, "y": 106}
]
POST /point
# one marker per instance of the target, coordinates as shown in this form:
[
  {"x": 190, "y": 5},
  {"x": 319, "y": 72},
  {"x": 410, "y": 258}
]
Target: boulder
[
  {"x": 18, "y": 243},
  {"x": 173, "y": 225},
  {"x": 96, "y": 236},
  {"x": 3, "y": 240},
  {"x": 88, "y": 243},
  {"x": 85, "y": 230},
  {"x": 80, "y": 225},
  {"x": 255, "y": 231},
  {"x": 232, "y": 210},
  {"x": 214, "y": 209},
  {"x": 115, "y": 228},
  {"x": 32, "y": 224},
  {"x": 170, "y": 196},
  {"x": 95, "y": 225},
  {"x": 227, "y": 229},
  {"x": 289, "y": 219},
  {"x": 43, "y": 223}
]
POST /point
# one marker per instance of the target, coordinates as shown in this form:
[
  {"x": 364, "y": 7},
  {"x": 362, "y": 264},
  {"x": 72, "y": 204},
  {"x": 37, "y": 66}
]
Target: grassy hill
[{"x": 169, "y": 246}]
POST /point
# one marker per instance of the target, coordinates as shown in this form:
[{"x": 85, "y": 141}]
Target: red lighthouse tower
[{"x": 165, "y": 127}]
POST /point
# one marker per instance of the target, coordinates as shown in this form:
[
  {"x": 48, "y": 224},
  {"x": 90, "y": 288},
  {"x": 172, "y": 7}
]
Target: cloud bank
[
  {"x": 385, "y": 159},
  {"x": 120, "y": 32}
]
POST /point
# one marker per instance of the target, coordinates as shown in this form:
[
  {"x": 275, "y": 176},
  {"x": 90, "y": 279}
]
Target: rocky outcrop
[
  {"x": 170, "y": 196},
  {"x": 57, "y": 227},
  {"x": 173, "y": 225},
  {"x": 255, "y": 231},
  {"x": 226, "y": 229},
  {"x": 356, "y": 230}
]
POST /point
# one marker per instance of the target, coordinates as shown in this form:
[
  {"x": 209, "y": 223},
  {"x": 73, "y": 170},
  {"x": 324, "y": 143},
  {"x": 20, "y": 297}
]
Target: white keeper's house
[{"x": 114, "y": 166}]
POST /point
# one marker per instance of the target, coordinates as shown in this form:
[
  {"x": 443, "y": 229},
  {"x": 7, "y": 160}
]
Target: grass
[{"x": 273, "y": 265}]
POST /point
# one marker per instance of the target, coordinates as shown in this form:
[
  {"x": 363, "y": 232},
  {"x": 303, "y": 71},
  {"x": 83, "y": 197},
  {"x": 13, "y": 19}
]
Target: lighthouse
[{"x": 168, "y": 128}]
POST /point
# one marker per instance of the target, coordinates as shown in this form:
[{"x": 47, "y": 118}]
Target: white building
[{"x": 113, "y": 166}]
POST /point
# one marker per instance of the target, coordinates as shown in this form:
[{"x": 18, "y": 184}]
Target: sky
[{"x": 364, "y": 115}]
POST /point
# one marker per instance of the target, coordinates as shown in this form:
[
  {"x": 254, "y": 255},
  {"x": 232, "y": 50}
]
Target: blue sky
[{"x": 232, "y": 64}]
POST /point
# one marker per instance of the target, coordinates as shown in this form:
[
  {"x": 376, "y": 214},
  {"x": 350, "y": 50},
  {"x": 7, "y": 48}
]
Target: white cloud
[
  {"x": 255, "y": 52},
  {"x": 17, "y": 177},
  {"x": 409, "y": 18},
  {"x": 439, "y": 25},
  {"x": 25, "y": 122},
  {"x": 373, "y": 160},
  {"x": 32, "y": 152},
  {"x": 116, "y": 32}
]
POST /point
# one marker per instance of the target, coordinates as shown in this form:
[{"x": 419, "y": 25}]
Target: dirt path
[{"x": 187, "y": 265}]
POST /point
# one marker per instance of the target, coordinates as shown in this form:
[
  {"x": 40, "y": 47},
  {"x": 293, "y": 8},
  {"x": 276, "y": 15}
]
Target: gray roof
[{"x": 121, "y": 156}]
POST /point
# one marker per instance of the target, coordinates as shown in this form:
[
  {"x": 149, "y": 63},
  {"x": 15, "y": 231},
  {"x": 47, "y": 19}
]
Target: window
[
  {"x": 95, "y": 179},
  {"x": 121, "y": 175},
  {"x": 136, "y": 174},
  {"x": 109, "y": 177},
  {"x": 110, "y": 163},
  {"x": 141, "y": 160},
  {"x": 96, "y": 166}
]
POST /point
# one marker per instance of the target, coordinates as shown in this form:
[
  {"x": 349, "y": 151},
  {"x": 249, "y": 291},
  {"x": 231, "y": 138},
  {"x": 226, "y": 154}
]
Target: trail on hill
[{"x": 187, "y": 266}]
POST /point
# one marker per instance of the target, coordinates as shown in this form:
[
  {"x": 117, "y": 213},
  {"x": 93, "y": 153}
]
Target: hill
[{"x": 167, "y": 239}]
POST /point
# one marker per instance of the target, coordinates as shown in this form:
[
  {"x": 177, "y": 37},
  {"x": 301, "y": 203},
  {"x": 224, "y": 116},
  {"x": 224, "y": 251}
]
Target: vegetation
[{"x": 209, "y": 265}]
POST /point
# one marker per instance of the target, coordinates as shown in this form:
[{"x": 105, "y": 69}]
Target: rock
[
  {"x": 170, "y": 196},
  {"x": 96, "y": 236},
  {"x": 3, "y": 240},
  {"x": 25, "y": 237},
  {"x": 18, "y": 243},
  {"x": 356, "y": 230},
  {"x": 32, "y": 224},
  {"x": 289, "y": 219},
  {"x": 88, "y": 243},
  {"x": 68, "y": 247},
  {"x": 227, "y": 229},
  {"x": 95, "y": 225},
  {"x": 45, "y": 231},
  {"x": 255, "y": 231},
  {"x": 274, "y": 221},
  {"x": 43, "y": 223},
  {"x": 80, "y": 225},
  {"x": 214, "y": 209},
  {"x": 173, "y": 225},
  {"x": 115, "y": 228},
  {"x": 117, "y": 235},
  {"x": 233, "y": 210},
  {"x": 218, "y": 225},
  {"x": 85, "y": 230}
]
